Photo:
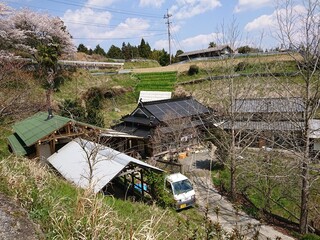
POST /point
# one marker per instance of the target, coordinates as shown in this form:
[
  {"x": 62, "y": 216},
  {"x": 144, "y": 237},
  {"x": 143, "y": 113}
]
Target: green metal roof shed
[
  {"x": 38, "y": 126},
  {"x": 32, "y": 134}
]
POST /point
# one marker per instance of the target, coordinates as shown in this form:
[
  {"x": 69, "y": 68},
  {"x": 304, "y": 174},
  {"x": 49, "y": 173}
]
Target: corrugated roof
[
  {"x": 148, "y": 96},
  {"x": 175, "y": 108},
  {"x": 38, "y": 126},
  {"x": 113, "y": 133},
  {"x": 314, "y": 125},
  {"x": 264, "y": 126},
  {"x": 16, "y": 145},
  {"x": 269, "y": 105},
  {"x": 206, "y": 50},
  {"x": 72, "y": 163}
]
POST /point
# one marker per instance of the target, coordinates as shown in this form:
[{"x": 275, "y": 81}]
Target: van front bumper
[{"x": 185, "y": 204}]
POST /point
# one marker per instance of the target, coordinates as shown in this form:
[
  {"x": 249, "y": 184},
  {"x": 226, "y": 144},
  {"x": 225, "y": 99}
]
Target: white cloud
[
  {"x": 188, "y": 8},
  {"x": 199, "y": 42},
  {"x": 244, "y": 5},
  {"x": 261, "y": 23},
  {"x": 99, "y": 3},
  {"x": 131, "y": 27},
  {"x": 189, "y": 44},
  {"x": 151, "y": 3},
  {"x": 161, "y": 44},
  {"x": 269, "y": 26},
  {"x": 93, "y": 27},
  {"x": 85, "y": 22},
  {"x": 265, "y": 22}
]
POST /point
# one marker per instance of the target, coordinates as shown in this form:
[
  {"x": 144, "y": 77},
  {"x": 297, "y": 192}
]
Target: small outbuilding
[
  {"x": 217, "y": 51},
  {"x": 91, "y": 165},
  {"x": 44, "y": 133}
]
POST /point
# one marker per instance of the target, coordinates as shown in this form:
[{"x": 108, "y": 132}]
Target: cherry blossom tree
[{"x": 38, "y": 36}]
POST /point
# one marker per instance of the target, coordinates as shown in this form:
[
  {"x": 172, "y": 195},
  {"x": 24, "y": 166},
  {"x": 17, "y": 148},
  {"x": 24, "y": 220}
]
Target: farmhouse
[
  {"x": 165, "y": 126},
  {"x": 269, "y": 122},
  {"x": 206, "y": 53}
]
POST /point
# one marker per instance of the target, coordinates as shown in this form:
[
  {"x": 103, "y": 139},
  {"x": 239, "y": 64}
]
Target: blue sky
[{"x": 194, "y": 23}]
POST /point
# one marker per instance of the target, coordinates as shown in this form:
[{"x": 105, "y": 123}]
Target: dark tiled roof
[
  {"x": 140, "y": 120},
  {"x": 264, "y": 126},
  {"x": 175, "y": 108},
  {"x": 269, "y": 105},
  {"x": 133, "y": 130}
]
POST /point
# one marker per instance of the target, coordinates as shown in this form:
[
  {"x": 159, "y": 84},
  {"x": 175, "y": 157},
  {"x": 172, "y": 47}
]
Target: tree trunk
[
  {"x": 305, "y": 184},
  {"x": 49, "y": 98},
  {"x": 304, "y": 199}
]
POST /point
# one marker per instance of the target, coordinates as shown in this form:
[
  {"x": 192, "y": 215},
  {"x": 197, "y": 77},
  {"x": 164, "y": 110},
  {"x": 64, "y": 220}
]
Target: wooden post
[
  {"x": 142, "y": 183},
  {"x": 132, "y": 182}
]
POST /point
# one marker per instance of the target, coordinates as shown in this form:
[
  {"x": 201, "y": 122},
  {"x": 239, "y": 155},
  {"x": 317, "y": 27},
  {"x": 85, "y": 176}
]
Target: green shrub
[
  {"x": 310, "y": 237},
  {"x": 163, "y": 198},
  {"x": 241, "y": 66},
  {"x": 193, "y": 69}
]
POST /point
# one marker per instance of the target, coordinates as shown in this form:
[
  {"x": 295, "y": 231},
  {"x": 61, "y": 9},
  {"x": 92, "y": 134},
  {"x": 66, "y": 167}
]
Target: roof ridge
[{"x": 165, "y": 100}]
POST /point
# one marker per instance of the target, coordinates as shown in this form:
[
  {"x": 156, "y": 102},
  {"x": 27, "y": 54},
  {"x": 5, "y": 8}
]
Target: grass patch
[
  {"x": 141, "y": 64},
  {"x": 66, "y": 212},
  {"x": 261, "y": 179},
  {"x": 161, "y": 81}
]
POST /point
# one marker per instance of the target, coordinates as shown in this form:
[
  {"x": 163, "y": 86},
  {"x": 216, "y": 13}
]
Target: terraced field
[{"x": 157, "y": 81}]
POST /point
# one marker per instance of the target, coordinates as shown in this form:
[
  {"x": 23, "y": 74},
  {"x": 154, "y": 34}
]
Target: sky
[{"x": 193, "y": 23}]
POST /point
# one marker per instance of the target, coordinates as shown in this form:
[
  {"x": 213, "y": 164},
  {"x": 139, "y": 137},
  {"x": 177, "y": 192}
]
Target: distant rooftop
[
  {"x": 202, "y": 51},
  {"x": 260, "y": 105}
]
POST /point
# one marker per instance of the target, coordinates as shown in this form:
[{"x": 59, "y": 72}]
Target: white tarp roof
[
  {"x": 314, "y": 125},
  {"x": 148, "y": 96},
  {"x": 72, "y": 162}
]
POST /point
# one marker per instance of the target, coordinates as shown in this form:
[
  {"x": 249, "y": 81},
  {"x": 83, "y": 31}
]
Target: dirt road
[{"x": 221, "y": 210}]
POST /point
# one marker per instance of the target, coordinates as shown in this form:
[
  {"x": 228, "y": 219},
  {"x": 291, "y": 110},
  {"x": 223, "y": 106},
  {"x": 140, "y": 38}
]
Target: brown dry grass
[{"x": 183, "y": 67}]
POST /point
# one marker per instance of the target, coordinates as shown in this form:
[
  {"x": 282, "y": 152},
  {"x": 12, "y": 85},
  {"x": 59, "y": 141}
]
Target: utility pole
[{"x": 167, "y": 16}]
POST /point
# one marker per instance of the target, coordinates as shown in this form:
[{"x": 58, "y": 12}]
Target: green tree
[
  {"x": 126, "y": 51},
  {"x": 115, "y": 52},
  {"x": 212, "y": 44},
  {"x": 247, "y": 49},
  {"x": 99, "y": 50},
  {"x": 94, "y": 103},
  {"x": 144, "y": 49},
  {"x": 82, "y": 48},
  {"x": 72, "y": 108},
  {"x": 175, "y": 59},
  {"x": 164, "y": 58}
]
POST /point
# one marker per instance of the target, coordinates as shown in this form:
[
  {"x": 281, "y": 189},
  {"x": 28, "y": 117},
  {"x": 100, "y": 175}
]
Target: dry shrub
[
  {"x": 76, "y": 215},
  {"x": 91, "y": 219},
  {"x": 150, "y": 229}
]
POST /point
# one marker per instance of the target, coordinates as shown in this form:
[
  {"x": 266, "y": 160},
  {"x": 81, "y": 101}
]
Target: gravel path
[{"x": 228, "y": 216}]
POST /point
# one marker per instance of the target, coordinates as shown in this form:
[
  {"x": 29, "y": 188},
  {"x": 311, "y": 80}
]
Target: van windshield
[{"x": 181, "y": 186}]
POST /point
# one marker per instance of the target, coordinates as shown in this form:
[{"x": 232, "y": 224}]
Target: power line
[
  {"x": 108, "y": 26},
  {"x": 112, "y": 38},
  {"x": 119, "y": 11}
]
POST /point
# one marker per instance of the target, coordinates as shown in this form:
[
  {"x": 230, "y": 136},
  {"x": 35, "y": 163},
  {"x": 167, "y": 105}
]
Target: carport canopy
[{"x": 91, "y": 165}]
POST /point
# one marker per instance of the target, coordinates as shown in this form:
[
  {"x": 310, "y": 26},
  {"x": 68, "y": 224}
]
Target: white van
[{"x": 181, "y": 188}]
